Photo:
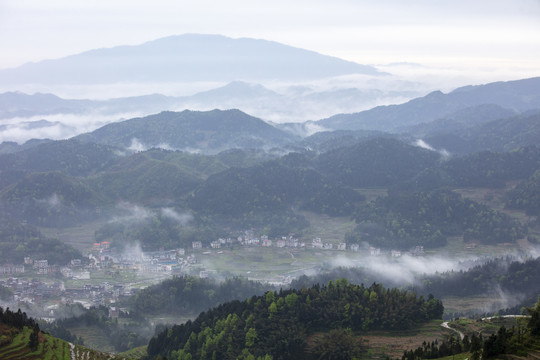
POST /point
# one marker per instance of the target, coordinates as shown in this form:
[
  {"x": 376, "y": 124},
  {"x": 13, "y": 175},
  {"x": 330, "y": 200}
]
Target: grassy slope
[{"x": 135, "y": 353}]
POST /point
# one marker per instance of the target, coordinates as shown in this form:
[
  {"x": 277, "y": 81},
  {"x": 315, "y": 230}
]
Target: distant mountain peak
[{"x": 189, "y": 57}]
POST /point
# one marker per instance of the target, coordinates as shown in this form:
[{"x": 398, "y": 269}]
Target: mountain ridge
[
  {"x": 209, "y": 58},
  {"x": 437, "y": 105}
]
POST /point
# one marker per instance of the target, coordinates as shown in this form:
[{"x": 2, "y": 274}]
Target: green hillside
[
  {"x": 21, "y": 339},
  {"x": 277, "y": 325},
  {"x": 207, "y": 132}
]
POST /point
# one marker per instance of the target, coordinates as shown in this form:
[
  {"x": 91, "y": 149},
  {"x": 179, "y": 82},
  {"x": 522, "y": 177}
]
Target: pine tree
[{"x": 34, "y": 338}]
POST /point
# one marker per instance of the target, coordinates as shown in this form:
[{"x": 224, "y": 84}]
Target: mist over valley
[{"x": 161, "y": 196}]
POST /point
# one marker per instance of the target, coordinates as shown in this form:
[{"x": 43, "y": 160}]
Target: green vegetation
[
  {"x": 472, "y": 289},
  {"x": 70, "y": 157},
  {"x": 135, "y": 353},
  {"x": 21, "y": 338},
  {"x": 501, "y": 135},
  {"x": 483, "y": 169},
  {"x": 277, "y": 324},
  {"x": 160, "y": 231},
  {"x": 403, "y": 220},
  {"x": 513, "y": 277},
  {"x": 191, "y": 295},
  {"x": 16, "y": 345},
  {"x": 18, "y": 240},
  {"x": 240, "y": 189},
  {"x": 376, "y": 163},
  {"x": 212, "y": 130},
  {"x": 99, "y": 329},
  {"x": 519, "y": 340},
  {"x": 52, "y": 198},
  {"x": 526, "y": 196},
  {"x": 269, "y": 188},
  {"x": 135, "y": 179}
]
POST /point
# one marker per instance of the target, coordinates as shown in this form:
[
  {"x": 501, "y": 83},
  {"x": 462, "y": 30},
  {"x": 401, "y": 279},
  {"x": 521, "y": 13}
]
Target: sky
[{"x": 498, "y": 37}]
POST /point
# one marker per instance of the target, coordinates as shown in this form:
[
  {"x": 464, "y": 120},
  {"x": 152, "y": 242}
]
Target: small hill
[
  {"x": 278, "y": 325},
  {"x": 331, "y": 140},
  {"x": 68, "y": 156},
  {"x": 151, "y": 177},
  {"x": 377, "y": 162},
  {"x": 17, "y": 104},
  {"x": 207, "y": 132},
  {"x": 51, "y": 198}
]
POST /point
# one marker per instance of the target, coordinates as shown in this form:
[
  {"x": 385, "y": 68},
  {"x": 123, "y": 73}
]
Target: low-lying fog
[{"x": 275, "y": 101}]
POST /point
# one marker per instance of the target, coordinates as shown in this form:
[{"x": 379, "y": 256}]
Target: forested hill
[
  {"x": 280, "y": 324},
  {"x": 200, "y": 131},
  {"x": 403, "y": 220},
  {"x": 519, "y": 95}
]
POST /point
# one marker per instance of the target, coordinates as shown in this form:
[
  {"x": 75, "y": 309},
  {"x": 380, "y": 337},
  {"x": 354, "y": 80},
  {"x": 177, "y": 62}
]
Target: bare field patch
[
  {"x": 329, "y": 229},
  {"x": 394, "y": 343},
  {"x": 479, "y": 304},
  {"x": 80, "y": 237}
]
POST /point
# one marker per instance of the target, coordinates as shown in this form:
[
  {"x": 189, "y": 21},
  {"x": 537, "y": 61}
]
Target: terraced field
[{"x": 14, "y": 345}]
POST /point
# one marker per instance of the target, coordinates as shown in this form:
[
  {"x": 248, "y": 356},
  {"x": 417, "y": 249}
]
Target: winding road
[
  {"x": 461, "y": 335},
  {"x": 445, "y": 325}
]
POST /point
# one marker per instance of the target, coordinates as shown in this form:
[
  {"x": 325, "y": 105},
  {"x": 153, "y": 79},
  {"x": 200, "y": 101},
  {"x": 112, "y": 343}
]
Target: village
[{"x": 106, "y": 276}]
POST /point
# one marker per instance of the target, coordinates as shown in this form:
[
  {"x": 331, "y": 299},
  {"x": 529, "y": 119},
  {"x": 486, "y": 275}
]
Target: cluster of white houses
[
  {"x": 42, "y": 267},
  {"x": 173, "y": 261},
  {"x": 283, "y": 242},
  {"x": 248, "y": 239}
]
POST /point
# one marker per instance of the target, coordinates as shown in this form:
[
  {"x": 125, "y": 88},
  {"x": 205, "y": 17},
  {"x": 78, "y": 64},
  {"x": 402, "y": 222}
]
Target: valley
[{"x": 295, "y": 206}]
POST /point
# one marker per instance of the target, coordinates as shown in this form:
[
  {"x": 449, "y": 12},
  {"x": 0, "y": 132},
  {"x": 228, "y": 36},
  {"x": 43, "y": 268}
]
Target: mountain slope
[
  {"x": 209, "y": 132},
  {"x": 377, "y": 162},
  {"x": 51, "y": 198},
  {"x": 272, "y": 187},
  {"x": 498, "y": 135},
  {"x": 461, "y": 120},
  {"x": 519, "y": 95},
  {"x": 189, "y": 57}
]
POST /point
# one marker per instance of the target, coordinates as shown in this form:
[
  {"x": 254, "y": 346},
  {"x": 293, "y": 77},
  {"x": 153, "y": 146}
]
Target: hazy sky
[{"x": 494, "y": 34}]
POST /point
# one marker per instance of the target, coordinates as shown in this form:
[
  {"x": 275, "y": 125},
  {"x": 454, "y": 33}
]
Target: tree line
[{"x": 277, "y": 324}]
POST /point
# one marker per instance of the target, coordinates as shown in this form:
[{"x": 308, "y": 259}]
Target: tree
[
  {"x": 476, "y": 347},
  {"x": 34, "y": 338},
  {"x": 251, "y": 337},
  {"x": 534, "y": 323}
]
